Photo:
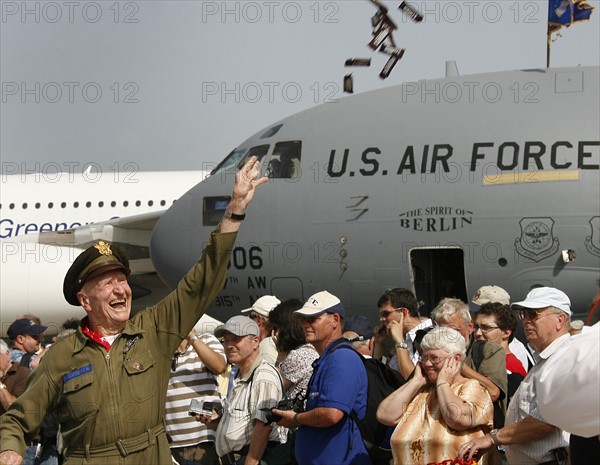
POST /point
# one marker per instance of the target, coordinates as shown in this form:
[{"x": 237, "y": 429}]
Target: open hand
[{"x": 246, "y": 181}]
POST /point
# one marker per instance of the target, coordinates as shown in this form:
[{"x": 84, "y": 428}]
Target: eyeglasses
[
  {"x": 532, "y": 314},
  {"x": 434, "y": 359},
  {"x": 386, "y": 313},
  {"x": 485, "y": 328}
]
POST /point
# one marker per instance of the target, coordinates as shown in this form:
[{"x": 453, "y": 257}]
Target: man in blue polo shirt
[{"x": 326, "y": 432}]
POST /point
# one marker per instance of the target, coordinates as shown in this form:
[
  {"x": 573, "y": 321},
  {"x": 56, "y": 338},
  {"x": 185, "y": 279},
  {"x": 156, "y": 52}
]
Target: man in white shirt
[
  {"x": 399, "y": 312},
  {"x": 526, "y": 436},
  {"x": 259, "y": 312}
]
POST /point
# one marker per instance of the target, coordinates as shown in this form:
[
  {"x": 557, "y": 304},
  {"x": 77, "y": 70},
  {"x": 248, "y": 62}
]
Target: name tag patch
[{"x": 75, "y": 373}]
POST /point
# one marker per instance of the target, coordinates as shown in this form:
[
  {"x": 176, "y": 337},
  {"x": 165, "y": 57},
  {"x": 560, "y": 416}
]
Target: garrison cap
[{"x": 95, "y": 260}]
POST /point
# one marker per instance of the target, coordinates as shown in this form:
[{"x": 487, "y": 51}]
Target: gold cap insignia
[{"x": 103, "y": 248}]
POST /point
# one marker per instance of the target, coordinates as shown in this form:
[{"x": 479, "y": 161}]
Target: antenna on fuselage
[{"x": 451, "y": 69}]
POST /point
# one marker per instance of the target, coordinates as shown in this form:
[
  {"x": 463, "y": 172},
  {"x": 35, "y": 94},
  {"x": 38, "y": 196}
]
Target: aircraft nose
[{"x": 177, "y": 238}]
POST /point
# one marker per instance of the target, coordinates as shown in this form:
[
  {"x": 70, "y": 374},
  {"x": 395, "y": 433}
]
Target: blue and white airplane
[{"x": 47, "y": 218}]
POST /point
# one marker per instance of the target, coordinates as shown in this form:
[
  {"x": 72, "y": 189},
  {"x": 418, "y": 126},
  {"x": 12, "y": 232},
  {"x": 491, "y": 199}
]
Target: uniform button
[{"x": 137, "y": 366}]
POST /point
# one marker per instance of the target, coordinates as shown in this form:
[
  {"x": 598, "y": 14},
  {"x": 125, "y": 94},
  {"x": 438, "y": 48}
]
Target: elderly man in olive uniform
[{"x": 108, "y": 381}]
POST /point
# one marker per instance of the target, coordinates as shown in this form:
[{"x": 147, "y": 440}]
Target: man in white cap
[
  {"x": 527, "y": 438},
  {"x": 337, "y": 393},
  {"x": 259, "y": 312},
  {"x": 244, "y": 435}
]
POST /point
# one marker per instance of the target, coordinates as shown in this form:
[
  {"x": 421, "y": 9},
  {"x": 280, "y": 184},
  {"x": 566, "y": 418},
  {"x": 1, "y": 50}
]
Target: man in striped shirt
[{"x": 196, "y": 364}]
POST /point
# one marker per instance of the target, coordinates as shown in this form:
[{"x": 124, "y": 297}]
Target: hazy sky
[{"x": 179, "y": 84}]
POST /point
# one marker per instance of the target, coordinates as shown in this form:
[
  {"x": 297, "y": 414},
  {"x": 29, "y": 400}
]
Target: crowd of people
[{"x": 291, "y": 382}]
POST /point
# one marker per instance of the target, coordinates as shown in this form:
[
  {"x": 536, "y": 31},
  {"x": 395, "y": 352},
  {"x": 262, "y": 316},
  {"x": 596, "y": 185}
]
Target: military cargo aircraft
[{"x": 440, "y": 186}]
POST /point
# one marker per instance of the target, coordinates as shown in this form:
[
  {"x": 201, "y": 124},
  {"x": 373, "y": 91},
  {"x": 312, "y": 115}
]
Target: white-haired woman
[{"x": 437, "y": 410}]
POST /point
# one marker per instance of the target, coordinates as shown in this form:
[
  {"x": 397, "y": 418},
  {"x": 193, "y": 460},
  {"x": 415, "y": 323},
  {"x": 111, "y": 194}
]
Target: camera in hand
[
  {"x": 296, "y": 404},
  {"x": 198, "y": 407}
]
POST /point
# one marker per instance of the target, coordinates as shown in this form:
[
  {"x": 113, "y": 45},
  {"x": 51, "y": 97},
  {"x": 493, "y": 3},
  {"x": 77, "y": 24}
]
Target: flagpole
[{"x": 548, "y": 48}]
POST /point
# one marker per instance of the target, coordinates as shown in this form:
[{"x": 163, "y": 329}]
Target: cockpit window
[
  {"x": 236, "y": 159},
  {"x": 229, "y": 162},
  {"x": 259, "y": 151},
  {"x": 285, "y": 161}
]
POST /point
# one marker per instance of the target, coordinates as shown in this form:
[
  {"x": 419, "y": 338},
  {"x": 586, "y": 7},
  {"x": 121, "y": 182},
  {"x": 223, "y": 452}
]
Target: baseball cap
[
  {"x": 487, "y": 294},
  {"x": 322, "y": 302},
  {"x": 360, "y": 325},
  {"x": 25, "y": 326},
  {"x": 238, "y": 325},
  {"x": 95, "y": 260},
  {"x": 264, "y": 305},
  {"x": 542, "y": 297}
]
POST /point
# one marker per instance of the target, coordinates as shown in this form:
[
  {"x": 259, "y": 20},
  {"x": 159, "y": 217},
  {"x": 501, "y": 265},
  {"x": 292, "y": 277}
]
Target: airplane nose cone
[{"x": 177, "y": 239}]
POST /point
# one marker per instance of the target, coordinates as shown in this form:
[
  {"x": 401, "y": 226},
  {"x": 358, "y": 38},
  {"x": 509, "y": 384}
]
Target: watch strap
[{"x": 234, "y": 216}]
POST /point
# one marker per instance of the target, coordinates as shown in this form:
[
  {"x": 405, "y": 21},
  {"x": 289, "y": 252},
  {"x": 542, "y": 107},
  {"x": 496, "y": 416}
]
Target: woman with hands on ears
[{"x": 437, "y": 410}]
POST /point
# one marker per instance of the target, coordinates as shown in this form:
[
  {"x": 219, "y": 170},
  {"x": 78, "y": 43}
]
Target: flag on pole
[{"x": 566, "y": 12}]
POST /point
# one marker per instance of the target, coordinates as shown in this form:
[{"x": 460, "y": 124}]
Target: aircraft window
[
  {"x": 137, "y": 203},
  {"x": 88, "y": 204},
  {"x": 163, "y": 203},
  {"x": 236, "y": 159},
  {"x": 24, "y": 206},
  {"x": 63, "y": 205},
  {"x": 50, "y": 205},
  {"x": 259, "y": 151},
  {"x": 76, "y": 205},
  {"x": 101, "y": 204},
  {"x": 285, "y": 161},
  {"x": 37, "y": 205},
  {"x": 150, "y": 203},
  {"x": 11, "y": 206},
  {"x": 213, "y": 208},
  {"x": 125, "y": 203},
  {"x": 113, "y": 204},
  {"x": 229, "y": 162},
  {"x": 271, "y": 131}
]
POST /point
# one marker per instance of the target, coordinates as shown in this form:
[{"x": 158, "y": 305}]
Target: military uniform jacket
[{"x": 110, "y": 405}]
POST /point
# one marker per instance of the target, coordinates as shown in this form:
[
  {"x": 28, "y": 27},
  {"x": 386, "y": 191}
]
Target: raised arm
[
  {"x": 246, "y": 182},
  {"x": 392, "y": 408}
]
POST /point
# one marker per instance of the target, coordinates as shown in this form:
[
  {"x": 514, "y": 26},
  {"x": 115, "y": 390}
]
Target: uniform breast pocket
[
  {"x": 141, "y": 376},
  {"x": 78, "y": 397}
]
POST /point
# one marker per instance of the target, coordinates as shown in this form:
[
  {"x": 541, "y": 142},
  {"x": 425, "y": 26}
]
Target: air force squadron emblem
[
  {"x": 592, "y": 242},
  {"x": 537, "y": 240}
]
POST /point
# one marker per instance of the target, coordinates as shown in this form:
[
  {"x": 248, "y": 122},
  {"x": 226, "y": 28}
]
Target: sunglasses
[
  {"x": 532, "y": 314},
  {"x": 386, "y": 313}
]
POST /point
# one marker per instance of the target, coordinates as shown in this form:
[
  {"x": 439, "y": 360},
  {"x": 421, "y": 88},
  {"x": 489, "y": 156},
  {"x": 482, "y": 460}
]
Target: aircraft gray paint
[{"x": 441, "y": 186}]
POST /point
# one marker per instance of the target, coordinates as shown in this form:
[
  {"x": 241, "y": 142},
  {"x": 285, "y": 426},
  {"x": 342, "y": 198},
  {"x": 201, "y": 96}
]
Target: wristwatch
[
  {"x": 234, "y": 216},
  {"x": 401, "y": 345},
  {"x": 494, "y": 436}
]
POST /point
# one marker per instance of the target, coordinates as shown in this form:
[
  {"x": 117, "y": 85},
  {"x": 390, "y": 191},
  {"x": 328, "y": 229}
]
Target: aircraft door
[{"x": 437, "y": 273}]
